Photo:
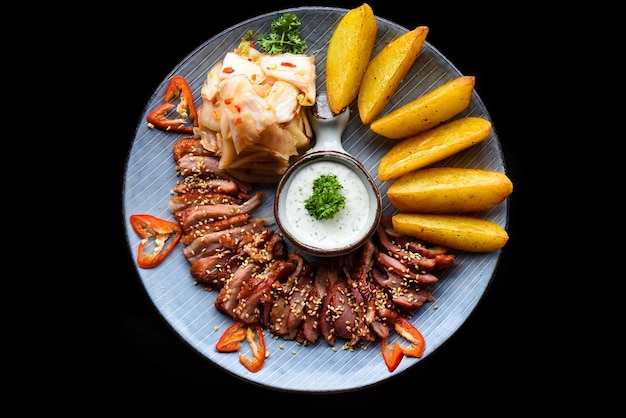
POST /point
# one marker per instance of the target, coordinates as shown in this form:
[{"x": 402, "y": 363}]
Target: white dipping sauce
[{"x": 346, "y": 226}]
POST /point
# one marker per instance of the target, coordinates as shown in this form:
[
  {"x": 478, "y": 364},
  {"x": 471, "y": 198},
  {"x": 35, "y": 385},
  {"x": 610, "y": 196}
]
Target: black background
[{"x": 492, "y": 353}]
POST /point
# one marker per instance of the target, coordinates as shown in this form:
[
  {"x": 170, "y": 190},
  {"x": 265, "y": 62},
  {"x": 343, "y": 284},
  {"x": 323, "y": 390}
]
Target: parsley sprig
[
  {"x": 326, "y": 200},
  {"x": 284, "y": 36}
]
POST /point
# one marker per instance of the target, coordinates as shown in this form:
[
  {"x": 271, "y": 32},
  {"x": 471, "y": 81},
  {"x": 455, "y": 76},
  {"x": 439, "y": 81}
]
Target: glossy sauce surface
[{"x": 346, "y": 226}]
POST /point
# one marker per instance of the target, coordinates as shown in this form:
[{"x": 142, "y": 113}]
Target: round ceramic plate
[{"x": 189, "y": 310}]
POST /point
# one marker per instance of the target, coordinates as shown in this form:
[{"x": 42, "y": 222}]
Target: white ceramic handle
[{"x": 328, "y": 130}]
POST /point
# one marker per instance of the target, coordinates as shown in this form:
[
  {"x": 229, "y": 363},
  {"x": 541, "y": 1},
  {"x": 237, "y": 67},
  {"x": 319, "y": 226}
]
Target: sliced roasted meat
[
  {"x": 359, "y": 279},
  {"x": 191, "y": 146},
  {"x": 264, "y": 246},
  {"x": 310, "y": 326},
  {"x": 408, "y": 258},
  {"x": 205, "y": 166},
  {"x": 405, "y": 293},
  {"x": 339, "y": 314},
  {"x": 279, "y": 311},
  {"x": 357, "y": 297},
  {"x": 395, "y": 266},
  {"x": 226, "y": 300},
  {"x": 209, "y": 243},
  {"x": 413, "y": 250},
  {"x": 214, "y": 226},
  {"x": 195, "y": 216},
  {"x": 298, "y": 301},
  {"x": 256, "y": 291},
  {"x": 185, "y": 200},
  {"x": 207, "y": 269},
  {"x": 193, "y": 184}
]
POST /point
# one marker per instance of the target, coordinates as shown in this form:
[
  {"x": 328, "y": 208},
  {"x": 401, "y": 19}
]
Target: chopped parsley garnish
[
  {"x": 284, "y": 36},
  {"x": 326, "y": 200}
]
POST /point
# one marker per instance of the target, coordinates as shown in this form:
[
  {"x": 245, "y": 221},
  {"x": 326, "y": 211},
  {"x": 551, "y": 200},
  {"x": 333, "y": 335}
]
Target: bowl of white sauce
[{"x": 355, "y": 220}]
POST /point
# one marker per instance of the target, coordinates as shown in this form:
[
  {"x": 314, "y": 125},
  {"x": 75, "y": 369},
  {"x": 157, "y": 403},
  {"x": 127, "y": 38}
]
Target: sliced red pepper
[
  {"x": 393, "y": 356},
  {"x": 231, "y": 340},
  {"x": 257, "y": 344},
  {"x": 412, "y": 335},
  {"x": 163, "y": 234},
  {"x": 186, "y": 108}
]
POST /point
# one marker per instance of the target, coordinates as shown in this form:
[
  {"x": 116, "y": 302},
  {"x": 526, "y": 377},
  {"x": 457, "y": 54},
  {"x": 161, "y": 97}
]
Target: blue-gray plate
[{"x": 189, "y": 310}]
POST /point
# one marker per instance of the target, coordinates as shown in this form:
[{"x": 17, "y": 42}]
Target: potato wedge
[
  {"x": 451, "y": 190},
  {"x": 466, "y": 233},
  {"x": 386, "y": 71},
  {"x": 427, "y": 111},
  {"x": 433, "y": 145},
  {"x": 349, "y": 51}
]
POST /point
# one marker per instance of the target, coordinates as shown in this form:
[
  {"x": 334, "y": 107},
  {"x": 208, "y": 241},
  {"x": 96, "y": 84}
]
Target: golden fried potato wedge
[
  {"x": 466, "y": 233},
  {"x": 349, "y": 51},
  {"x": 433, "y": 145},
  {"x": 427, "y": 111},
  {"x": 451, "y": 190},
  {"x": 386, "y": 71}
]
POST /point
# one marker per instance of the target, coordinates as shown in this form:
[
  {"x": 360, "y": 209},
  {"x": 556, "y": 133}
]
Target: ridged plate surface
[{"x": 189, "y": 310}]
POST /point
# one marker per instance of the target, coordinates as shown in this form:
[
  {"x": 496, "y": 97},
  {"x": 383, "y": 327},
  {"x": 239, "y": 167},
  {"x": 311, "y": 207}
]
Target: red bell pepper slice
[
  {"x": 392, "y": 356},
  {"x": 163, "y": 234},
  {"x": 186, "y": 108},
  {"x": 231, "y": 341},
  {"x": 412, "y": 335},
  {"x": 257, "y": 344}
]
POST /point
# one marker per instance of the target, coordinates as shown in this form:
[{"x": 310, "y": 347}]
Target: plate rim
[{"x": 201, "y": 47}]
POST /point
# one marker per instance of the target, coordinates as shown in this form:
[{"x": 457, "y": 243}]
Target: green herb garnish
[
  {"x": 325, "y": 201},
  {"x": 284, "y": 36}
]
